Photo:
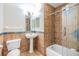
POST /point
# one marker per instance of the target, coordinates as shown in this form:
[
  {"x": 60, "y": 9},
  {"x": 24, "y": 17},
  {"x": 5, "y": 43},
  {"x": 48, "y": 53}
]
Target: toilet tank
[{"x": 13, "y": 44}]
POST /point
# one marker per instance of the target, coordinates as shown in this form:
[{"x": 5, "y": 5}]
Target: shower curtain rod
[
  {"x": 62, "y": 9},
  {"x": 55, "y": 12}
]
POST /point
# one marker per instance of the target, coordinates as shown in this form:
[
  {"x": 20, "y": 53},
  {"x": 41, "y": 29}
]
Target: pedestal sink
[{"x": 31, "y": 36}]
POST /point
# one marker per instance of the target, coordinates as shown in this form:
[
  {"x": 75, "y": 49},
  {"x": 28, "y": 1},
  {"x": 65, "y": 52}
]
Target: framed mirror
[{"x": 37, "y": 20}]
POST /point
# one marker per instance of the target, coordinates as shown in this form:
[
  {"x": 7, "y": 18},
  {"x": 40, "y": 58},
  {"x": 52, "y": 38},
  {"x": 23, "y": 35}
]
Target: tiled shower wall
[
  {"x": 58, "y": 26},
  {"x": 49, "y": 27}
]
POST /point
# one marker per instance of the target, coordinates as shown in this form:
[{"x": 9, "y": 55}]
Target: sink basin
[{"x": 31, "y": 36}]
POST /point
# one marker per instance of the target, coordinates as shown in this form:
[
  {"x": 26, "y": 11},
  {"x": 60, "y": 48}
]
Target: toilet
[{"x": 13, "y": 47}]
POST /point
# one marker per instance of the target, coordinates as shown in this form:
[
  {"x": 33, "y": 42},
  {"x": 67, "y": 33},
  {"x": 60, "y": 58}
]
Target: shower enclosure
[
  {"x": 70, "y": 28},
  {"x": 66, "y": 30}
]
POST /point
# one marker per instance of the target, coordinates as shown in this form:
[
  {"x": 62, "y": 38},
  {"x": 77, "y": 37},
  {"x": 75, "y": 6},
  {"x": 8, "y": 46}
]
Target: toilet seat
[{"x": 15, "y": 52}]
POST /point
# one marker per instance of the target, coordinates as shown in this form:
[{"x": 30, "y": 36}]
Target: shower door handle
[{"x": 64, "y": 31}]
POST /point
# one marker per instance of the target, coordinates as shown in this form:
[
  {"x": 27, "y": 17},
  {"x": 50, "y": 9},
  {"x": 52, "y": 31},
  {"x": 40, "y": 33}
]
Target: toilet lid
[{"x": 15, "y": 52}]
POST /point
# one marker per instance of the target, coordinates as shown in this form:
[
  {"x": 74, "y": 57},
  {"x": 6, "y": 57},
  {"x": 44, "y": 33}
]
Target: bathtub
[{"x": 58, "y": 50}]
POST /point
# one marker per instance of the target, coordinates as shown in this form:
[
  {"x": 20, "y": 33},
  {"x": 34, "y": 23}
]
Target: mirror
[{"x": 34, "y": 16}]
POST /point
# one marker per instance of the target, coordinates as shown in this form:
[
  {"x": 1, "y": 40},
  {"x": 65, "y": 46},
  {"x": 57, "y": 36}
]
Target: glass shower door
[
  {"x": 70, "y": 30},
  {"x": 64, "y": 26}
]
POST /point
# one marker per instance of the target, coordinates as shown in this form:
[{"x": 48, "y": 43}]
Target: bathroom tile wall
[
  {"x": 1, "y": 38},
  {"x": 39, "y": 43},
  {"x": 58, "y": 26},
  {"x": 48, "y": 25}
]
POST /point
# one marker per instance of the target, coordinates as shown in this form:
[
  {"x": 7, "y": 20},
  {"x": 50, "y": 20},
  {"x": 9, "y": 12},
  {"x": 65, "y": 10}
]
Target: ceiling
[{"x": 56, "y": 4}]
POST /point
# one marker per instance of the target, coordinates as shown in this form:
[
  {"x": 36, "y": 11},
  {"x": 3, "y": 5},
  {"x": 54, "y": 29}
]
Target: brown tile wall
[
  {"x": 1, "y": 38},
  {"x": 48, "y": 25},
  {"x": 58, "y": 26},
  {"x": 39, "y": 43}
]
